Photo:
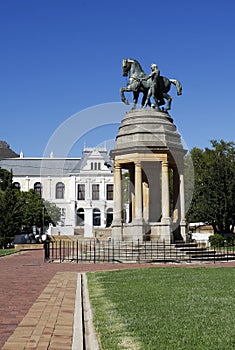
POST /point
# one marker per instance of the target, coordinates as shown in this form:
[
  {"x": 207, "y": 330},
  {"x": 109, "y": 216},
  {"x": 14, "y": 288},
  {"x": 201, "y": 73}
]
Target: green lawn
[
  {"x": 7, "y": 251},
  {"x": 164, "y": 308}
]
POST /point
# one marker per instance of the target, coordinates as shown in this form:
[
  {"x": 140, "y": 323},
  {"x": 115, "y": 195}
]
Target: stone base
[
  {"x": 183, "y": 231},
  {"x": 161, "y": 231},
  {"x": 117, "y": 233},
  {"x": 133, "y": 232}
]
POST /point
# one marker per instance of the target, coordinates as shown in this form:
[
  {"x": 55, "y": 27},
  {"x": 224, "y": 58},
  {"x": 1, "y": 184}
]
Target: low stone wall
[{"x": 29, "y": 246}]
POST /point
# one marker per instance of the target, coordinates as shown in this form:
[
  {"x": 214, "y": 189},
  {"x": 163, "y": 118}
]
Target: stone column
[
  {"x": 182, "y": 199},
  {"x": 138, "y": 193},
  {"x": 132, "y": 194},
  {"x": 165, "y": 191},
  {"x": 166, "y": 234},
  {"x": 117, "y": 204},
  {"x": 145, "y": 202},
  {"x": 182, "y": 209},
  {"x": 176, "y": 196}
]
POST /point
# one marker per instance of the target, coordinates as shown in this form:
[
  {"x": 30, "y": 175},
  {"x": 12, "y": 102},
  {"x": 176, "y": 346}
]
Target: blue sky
[{"x": 59, "y": 57}]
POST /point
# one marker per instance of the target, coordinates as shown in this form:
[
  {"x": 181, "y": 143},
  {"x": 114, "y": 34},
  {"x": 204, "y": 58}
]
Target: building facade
[{"x": 81, "y": 187}]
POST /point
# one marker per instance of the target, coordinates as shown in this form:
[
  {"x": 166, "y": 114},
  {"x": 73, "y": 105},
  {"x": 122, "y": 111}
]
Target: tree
[
  {"x": 213, "y": 200},
  {"x": 22, "y": 210},
  {"x": 52, "y": 213},
  {"x": 10, "y": 209},
  {"x": 37, "y": 212}
]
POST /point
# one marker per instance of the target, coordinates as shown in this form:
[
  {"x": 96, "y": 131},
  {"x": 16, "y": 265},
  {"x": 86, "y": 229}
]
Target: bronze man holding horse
[{"x": 154, "y": 85}]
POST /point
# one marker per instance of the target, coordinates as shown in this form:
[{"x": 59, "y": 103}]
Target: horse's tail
[{"x": 178, "y": 86}]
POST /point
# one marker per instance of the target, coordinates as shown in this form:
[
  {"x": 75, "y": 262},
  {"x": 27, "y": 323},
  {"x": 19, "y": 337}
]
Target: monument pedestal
[{"x": 148, "y": 147}]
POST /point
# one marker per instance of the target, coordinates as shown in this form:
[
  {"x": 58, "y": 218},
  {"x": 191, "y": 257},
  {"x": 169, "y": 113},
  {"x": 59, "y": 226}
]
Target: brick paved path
[{"x": 25, "y": 276}]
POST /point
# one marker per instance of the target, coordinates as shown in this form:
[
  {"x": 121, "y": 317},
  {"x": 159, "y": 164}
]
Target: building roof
[
  {"x": 41, "y": 166},
  {"x": 21, "y": 166}
]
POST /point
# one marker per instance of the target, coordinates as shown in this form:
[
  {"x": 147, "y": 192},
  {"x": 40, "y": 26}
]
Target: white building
[{"x": 81, "y": 187}]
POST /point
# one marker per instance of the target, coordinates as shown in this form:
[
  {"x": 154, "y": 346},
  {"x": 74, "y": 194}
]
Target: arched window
[
  {"x": 38, "y": 188},
  {"x": 96, "y": 217},
  {"x": 16, "y": 185},
  {"x": 80, "y": 217},
  {"x": 59, "y": 192},
  {"x": 109, "y": 217}
]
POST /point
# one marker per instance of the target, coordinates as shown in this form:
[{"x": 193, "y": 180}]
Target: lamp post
[{"x": 43, "y": 218}]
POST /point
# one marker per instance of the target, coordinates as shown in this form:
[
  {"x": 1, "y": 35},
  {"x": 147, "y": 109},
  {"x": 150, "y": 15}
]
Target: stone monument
[{"x": 148, "y": 147}]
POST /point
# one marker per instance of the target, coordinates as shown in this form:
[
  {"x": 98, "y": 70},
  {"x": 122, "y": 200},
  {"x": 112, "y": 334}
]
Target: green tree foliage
[
  {"x": 213, "y": 200},
  {"x": 52, "y": 213},
  {"x": 22, "y": 210},
  {"x": 10, "y": 209},
  {"x": 36, "y": 211}
]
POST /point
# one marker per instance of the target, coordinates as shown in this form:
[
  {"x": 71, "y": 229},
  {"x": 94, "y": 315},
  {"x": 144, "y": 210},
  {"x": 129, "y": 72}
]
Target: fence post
[
  {"x": 60, "y": 250},
  {"x": 94, "y": 251},
  {"x": 164, "y": 251},
  {"x": 139, "y": 250},
  {"x": 77, "y": 250}
]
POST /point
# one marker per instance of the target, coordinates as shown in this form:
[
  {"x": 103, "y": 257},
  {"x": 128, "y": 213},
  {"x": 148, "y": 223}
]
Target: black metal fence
[{"x": 94, "y": 251}]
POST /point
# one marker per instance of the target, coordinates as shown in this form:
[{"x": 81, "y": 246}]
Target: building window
[
  {"x": 81, "y": 192},
  {"x": 109, "y": 192},
  {"x": 95, "y": 192},
  {"x": 95, "y": 166},
  {"x": 60, "y": 187},
  {"x": 80, "y": 217},
  {"x": 16, "y": 185},
  {"x": 96, "y": 217},
  {"x": 109, "y": 217},
  {"x": 38, "y": 188}
]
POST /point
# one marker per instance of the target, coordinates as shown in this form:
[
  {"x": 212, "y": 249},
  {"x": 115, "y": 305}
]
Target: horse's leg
[
  {"x": 169, "y": 100},
  {"x": 157, "y": 102},
  {"x": 123, "y": 98},
  {"x": 135, "y": 99}
]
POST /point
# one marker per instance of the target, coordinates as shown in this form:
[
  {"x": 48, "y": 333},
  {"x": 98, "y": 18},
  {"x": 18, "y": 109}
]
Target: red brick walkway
[{"x": 24, "y": 276}]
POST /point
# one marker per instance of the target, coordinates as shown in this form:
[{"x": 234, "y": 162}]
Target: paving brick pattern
[
  {"x": 49, "y": 322},
  {"x": 36, "y": 295}
]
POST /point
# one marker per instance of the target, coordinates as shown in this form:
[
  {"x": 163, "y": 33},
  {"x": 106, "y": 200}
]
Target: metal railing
[{"x": 95, "y": 251}]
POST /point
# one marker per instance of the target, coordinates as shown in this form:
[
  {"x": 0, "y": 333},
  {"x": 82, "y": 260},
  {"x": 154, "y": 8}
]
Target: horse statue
[{"x": 139, "y": 82}]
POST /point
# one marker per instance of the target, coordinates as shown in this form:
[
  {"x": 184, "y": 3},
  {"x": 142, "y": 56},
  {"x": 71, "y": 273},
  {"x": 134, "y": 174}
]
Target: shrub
[{"x": 216, "y": 240}]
